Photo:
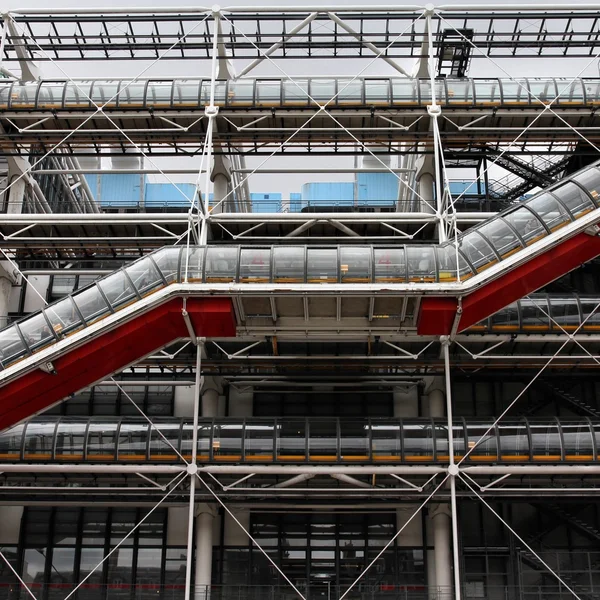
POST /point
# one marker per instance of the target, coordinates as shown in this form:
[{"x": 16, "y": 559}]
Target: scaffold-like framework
[{"x": 421, "y": 108}]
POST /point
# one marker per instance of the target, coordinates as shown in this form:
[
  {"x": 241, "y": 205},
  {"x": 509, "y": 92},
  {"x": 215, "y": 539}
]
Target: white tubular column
[
  {"x": 440, "y": 516},
  {"x": 439, "y": 562},
  {"x": 210, "y": 402},
  {"x": 205, "y": 515}
]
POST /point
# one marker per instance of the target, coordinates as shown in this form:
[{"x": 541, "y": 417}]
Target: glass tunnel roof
[
  {"x": 301, "y": 92},
  {"x": 301, "y": 440},
  {"x": 479, "y": 248}
]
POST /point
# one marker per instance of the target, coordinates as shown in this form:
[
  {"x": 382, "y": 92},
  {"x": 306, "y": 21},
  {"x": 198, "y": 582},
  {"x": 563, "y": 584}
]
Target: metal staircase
[{"x": 577, "y": 405}]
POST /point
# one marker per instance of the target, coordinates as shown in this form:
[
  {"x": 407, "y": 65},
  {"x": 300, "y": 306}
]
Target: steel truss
[{"x": 251, "y": 33}]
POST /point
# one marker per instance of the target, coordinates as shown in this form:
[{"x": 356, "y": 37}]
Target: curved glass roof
[
  {"x": 302, "y": 92},
  {"x": 300, "y": 440},
  {"x": 476, "y": 250}
]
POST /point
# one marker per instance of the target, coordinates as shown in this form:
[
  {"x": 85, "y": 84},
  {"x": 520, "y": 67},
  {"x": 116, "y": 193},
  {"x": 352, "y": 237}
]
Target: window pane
[
  {"x": 295, "y": 92},
  {"x": 221, "y": 264},
  {"x": 259, "y": 440},
  {"x": 421, "y": 264},
  {"x": 477, "y": 250},
  {"x": 565, "y": 313},
  {"x": 550, "y": 210},
  {"x": 288, "y": 264},
  {"x": 526, "y": 224},
  {"x": 255, "y": 265},
  {"x": 158, "y": 93},
  {"x": 192, "y": 264},
  {"x": 11, "y": 346},
  {"x": 144, "y": 275},
  {"x": 117, "y": 289},
  {"x": 322, "y": 265},
  {"x": 355, "y": 266},
  {"x": 390, "y": 265},
  {"x": 590, "y": 180},
  {"x": 10, "y": 442},
  {"x": 70, "y": 438},
  {"x": 240, "y": 93},
  {"x": 167, "y": 260},
  {"x": 574, "y": 198},
  {"x": 501, "y": 237},
  {"x": 36, "y": 332},
  {"x": 91, "y": 304},
  {"x": 62, "y": 316}
]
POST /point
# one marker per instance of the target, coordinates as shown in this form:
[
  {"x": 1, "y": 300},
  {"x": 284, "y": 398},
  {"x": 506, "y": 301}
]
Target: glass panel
[
  {"x": 36, "y": 332},
  {"x": 590, "y": 313},
  {"x": 460, "y": 91},
  {"x": 574, "y": 198},
  {"x": 101, "y": 440},
  {"x": 167, "y": 260},
  {"x": 322, "y": 90},
  {"x": 543, "y": 89},
  {"x": 259, "y": 440},
  {"x": 418, "y": 441},
  {"x": 50, "y": 94},
  {"x": 545, "y": 441},
  {"x": 442, "y": 452},
  {"x": 227, "y": 439},
  {"x": 321, "y": 265},
  {"x": 221, "y": 264},
  {"x": 63, "y": 316},
  {"x": 77, "y": 95},
  {"x": 377, "y": 91},
  {"x": 421, "y": 264},
  {"x": 447, "y": 257},
  {"x": 255, "y": 265},
  {"x": 291, "y": 440},
  {"x": 550, "y": 210},
  {"x": 133, "y": 438},
  {"x": 592, "y": 91},
  {"x": 565, "y": 313},
  {"x": 590, "y": 180},
  {"x": 10, "y": 442},
  {"x": 477, "y": 250},
  {"x": 104, "y": 93},
  {"x": 205, "y": 429},
  {"x": 507, "y": 319},
  {"x": 23, "y": 96},
  {"x": 354, "y": 440},
  {"x": 577, "y": 438},
  {"x": 194, "y": 264},
  {"x": 11, "y": 346},
  {"x": 501, "y": 237},
  {"x": 295, "y": 92},
  {"x": 515, "y": 91},
  {"x": 117, "y": 289},
  {"x": 185, "y": 93},
  {"x": 425, "y": 87},
  {"x": 323, "y": 440},
  {"x": 4, "y": 94},
  {"x": 131, "y": 95},
  {"x": 355, "y": 264},
  {"x": 91, "y": 304},
  {"x": 158, "y": 94},
  {"x": 526, "y": 224},
  {"x": 514, "y": 442},
  {"x": 39, "y": 441},
  {"x": 390, "y": 265},
  {"x": 487, "y": 91},
  {"x": 70, "y": 438},
  {"x": 144, "y": 275},
  {"x": 405, "y": 91},
  {"x": 288, "y": 264},
  {"x": 532, "y": 314},
  {"x": 385, "y": 442},
  {"x": 268, "y": 93},
  {"x": 482, "y": 444},
  {"x": 240, "y": 93},
  {"x": 349, "y": 91},
  {"x": 570, "y": 92}
]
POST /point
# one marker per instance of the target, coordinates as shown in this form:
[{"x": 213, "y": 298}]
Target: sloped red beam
[
  {"x": 436, "y": 315},
  {"x": 112, "y": 351}
]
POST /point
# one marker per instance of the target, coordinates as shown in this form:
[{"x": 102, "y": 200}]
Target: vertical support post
[
  {"x": 192, "y": 469},
  {"x": 435, "y": 111},
  {"x": 211, "y": 112},
  {"x": 452, "y": 469}
]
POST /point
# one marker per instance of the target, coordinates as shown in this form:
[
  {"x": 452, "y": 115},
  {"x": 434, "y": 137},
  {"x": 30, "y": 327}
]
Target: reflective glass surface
[{"x": 526, "y": 224}]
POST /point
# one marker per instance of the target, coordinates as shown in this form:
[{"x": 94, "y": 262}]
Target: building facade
[{"x": 382, "y": 387}]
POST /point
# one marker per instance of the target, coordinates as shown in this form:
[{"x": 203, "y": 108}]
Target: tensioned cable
[
  {"x": 537, "y": 556},
  {"x": 482, "y": 438},
  {"x": 99, "y": 108},
  {"x": 547, "y": 106},
  {"x": 264, "y": 552},
  {"x": 323, "y": 107},
  {"x": 175, "y": 483}
]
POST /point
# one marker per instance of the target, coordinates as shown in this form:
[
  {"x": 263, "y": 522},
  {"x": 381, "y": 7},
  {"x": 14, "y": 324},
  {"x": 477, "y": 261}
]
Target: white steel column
[
  {"x": 210, "y": 402},
  {"x": 204, "y": 549}
]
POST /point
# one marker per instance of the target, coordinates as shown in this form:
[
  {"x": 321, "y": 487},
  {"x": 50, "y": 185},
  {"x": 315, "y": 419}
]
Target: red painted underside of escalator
[
  {"x": 437, "y": 315},
  {"x": 113, "y": 351}
]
